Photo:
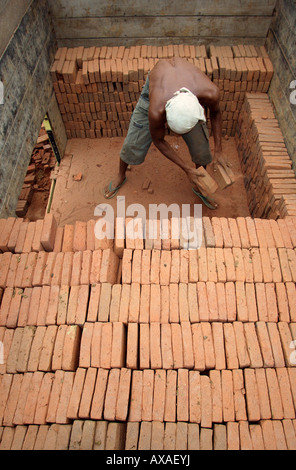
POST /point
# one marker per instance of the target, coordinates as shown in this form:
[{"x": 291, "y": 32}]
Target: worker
[{"x": 177, "y": 93}]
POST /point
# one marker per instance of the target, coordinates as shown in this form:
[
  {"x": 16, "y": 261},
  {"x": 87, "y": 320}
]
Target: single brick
[
  {"x": 48, "y": 233},
  {"x": 148, "y": 391}
]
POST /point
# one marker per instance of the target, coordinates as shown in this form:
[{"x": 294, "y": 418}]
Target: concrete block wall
[{"x": 24, "y": 71}]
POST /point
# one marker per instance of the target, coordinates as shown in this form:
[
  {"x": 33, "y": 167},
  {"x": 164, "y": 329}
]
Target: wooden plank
[
  {"x": 11, "y": 14},
  {"x": 93, "y": 8},
  {"x": 159, "y": 41},
  {"x": 196, "y": 27}
]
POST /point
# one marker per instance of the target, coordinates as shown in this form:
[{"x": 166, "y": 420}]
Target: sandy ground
[{"x": 97, "y": 160}]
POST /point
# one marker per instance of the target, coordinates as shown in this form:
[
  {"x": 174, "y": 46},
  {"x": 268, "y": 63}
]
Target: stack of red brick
[
  {"x": 270, "y": 179},
  {"x": 97, "y": 88},
  {"x": 148, "y": 347}
]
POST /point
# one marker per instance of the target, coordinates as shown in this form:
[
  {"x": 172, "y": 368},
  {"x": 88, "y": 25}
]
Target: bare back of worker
[{"x": 170, "y": 75}]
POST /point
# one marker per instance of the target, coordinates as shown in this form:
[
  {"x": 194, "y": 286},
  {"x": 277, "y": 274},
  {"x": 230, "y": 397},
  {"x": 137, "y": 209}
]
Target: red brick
[
  {"x": 12, "y": 317},
  {"x": 274, "y": 394},
  {"x": 136, "y": 266},
  {"x": 165, "y": 268},
  {"x": 227, "y": 395},
  {"x": 71, "y": 348},
  {"x": 31, "y": 402},
  {"x": 144, "y": 346},
  {"x": 177, "y": 346},
  {"x": 253, "y": 345},
  {"x": 155, "y": 267},
  {"x": 87, "y": 393},
  {"x": 233, "y": 436},
  {"x": 111, "y": 395},
  {"x": 203, "y": 305},
  {"x": 239, "y": 395},
  {"x": 11, "y": 273},
  {"x": 43, "y": 399},
  {"x": 184, "y": 266},
  {"x": 99, "y": 395},
  {"x": 217, "y": 229},
  {"x": 275, "y": 341},
  {"x": 245, "y": 437},
  {"x": 241, "y": 302},
  {"x": 6, "y": 300},
  {"x": 68, "y": 238},
  {"x": 104, "y": 303},
  {"x": 6, "y": 233},
  {"x": 291, "y": 293},
  {"x": 194, "y": 397},
  {"x": 48, "y": 268},
  {"x": 106, "y": 345},
  {"x": 230, "y": 301},
  {"x": 188, "y": 355},
  {"x": 76, "y": 392},
  {"x": 175, "y": 267},
  {"x": 271, "y": 302},
  {"x": 202, "y": 264},
  {"x": 174, "y": 303},
  {"x": 21, "y": 237},
  {"x": 64, "y": 397},
  {"x": 144, "y": 304},
  {"x": 252, "y": 395},
  {"x": 208, "y": 345},
  {"x": 218, "y": 340},
  {"x": 166, "y": 346},
  {"x": 245, "y": 227},
  {"x": 145, "y": 267},
  {"x": 25, "y": 347},
  {"x": 48, "y": 232},
  {"x": 230, "y": 347},
  {"x": 86, "y": 267},
  {"x": 95, "y": 267},
  {"x": 132, "y": 346},
  {"x": 183, "y": 395},
  {"x": 79, "y": 236},
  {"x": 148, "y": 390},
  {"x": 12, "y": 400},
  {"x": 216, "y": 390},
  {"x": 135, "y": 410},
  {"x": 286, "y": 393},
  {"x": 127, "y": 266},
  {"x": 275, "y": 265},
  {"x": 124, "y": 303},
  {"x": 122, "y": 403},
  {"x": 206, "y": 402},
  {"x": 198, "y": 347},
  {"x": 45, "y": 358},
  {"x": 20, "y": 270},
  {"x": 220, "y": 263},
  {"x": 18, "y": 415},
  {"x": 52, "y": 310},
  {"x": 5, "y": 260},
  {"x": 159, "y": 393},
  {"x": 154, "y": 303},
  {"x": 183, "y": 302},
  {"x": 134, "y": 304}
]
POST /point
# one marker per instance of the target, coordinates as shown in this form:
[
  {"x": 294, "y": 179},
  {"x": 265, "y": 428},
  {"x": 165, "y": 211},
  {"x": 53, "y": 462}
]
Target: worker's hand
[
  {"x": 219, "y": 158},
  {"x": 195, "y": 176}
]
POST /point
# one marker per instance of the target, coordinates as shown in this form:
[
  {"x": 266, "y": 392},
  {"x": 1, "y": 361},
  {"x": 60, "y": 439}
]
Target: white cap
[{"x": 183, "y": 111}]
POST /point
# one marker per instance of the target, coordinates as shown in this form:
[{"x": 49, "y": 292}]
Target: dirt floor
[{"x": 95, "y": 162}]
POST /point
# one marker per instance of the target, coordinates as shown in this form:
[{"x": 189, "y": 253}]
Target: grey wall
[
  {"x": 281, "y": 46},
  {"x": 130, "y": 22},
  {"x": 28, "y": 47}
]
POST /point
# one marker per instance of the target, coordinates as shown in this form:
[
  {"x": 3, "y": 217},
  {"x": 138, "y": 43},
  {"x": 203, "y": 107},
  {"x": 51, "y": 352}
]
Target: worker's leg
[
  {"x": 197, "y": 141},
  {"x": 137, "y": 141}
]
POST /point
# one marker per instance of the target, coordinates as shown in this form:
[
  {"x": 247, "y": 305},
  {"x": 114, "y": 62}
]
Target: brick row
[
  {"x": 270, "y": 179},
  {"x": 126, "y": 395},
  {"x": 207, "y": 301},
  {"x": 27, "y": 270},
  {"x": 200, "y": 346},
  {"x": 103, "y": 435},
  {"x": 41, "y": 348},
  {"x": 98, "y": 88},
  {"x": 21, "y": 237}
]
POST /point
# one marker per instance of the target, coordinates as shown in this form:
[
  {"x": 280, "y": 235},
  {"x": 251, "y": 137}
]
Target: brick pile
[
  {"x": 148, "y": 348},
  {"x": 97, "y": 88},
  {"x": 38, "y": 174},
  {"x": 269, "y": 177}
]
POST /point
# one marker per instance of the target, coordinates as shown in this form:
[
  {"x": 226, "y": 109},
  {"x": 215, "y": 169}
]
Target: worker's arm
[
  {"x": 157, "y": 130},
  {"x": 212, "y": 101}
]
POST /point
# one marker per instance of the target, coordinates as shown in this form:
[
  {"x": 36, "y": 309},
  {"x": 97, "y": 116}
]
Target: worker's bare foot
[{"x": 113, "y": 187}]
